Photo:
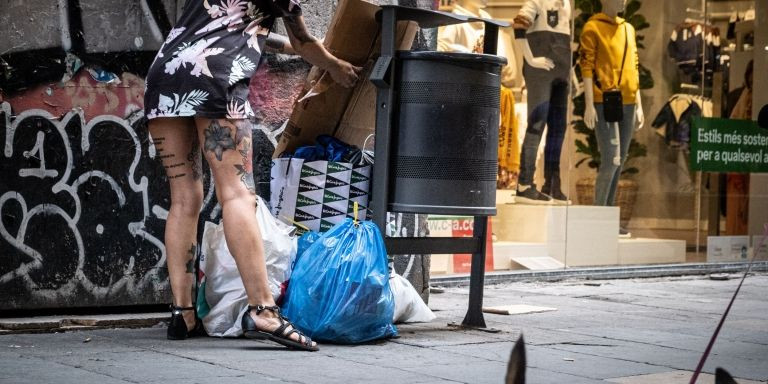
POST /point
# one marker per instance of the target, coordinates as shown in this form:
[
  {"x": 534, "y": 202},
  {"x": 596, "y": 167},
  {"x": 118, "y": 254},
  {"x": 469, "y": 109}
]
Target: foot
[
  {"x": 189, "y": 319},
  {"x": 624, "y": 233},
  {"x": 268, "y": 321},
  {"x": 527, "y": 194}
]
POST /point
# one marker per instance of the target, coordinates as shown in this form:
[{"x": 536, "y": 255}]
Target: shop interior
[{"x": 697, "y": 58}]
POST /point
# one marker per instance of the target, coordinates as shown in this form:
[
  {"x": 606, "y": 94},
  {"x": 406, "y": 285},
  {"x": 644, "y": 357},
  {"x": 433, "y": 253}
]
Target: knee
[
  {"x": 240, "y": 196},
  {"x": 187, "y": 202}
]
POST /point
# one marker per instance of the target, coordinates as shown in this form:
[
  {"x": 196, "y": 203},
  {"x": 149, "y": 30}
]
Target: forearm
[
  {"x": 527, "y": 53},
  {"x": 279, "y": 44},
  {"x": 589, "y": 94},
  {"x": 307, "y": 46}
]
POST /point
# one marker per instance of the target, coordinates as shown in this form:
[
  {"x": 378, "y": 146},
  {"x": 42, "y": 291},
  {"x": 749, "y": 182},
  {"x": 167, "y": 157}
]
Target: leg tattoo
[
  {"x": 194, "y": 158},
  {"x": 243, "y": 140},
  {"x": 218, "y": 139},
  {"x": 192, "y": 252}
]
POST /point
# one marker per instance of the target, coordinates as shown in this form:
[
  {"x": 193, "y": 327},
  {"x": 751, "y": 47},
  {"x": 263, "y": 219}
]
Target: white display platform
[
  {"x": 551, "y": 237},
  {"x": 587, "y": 234},
  {"x": 630, "y": 252},
  {"x": 651, "y": 251}
]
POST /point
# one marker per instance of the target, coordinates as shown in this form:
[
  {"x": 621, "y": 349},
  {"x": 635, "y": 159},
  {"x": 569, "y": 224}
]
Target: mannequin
[
  {"x": 469, "y": 38},
  {"x": 543, "y": 31},
  {"x": 601, "y": 53}
]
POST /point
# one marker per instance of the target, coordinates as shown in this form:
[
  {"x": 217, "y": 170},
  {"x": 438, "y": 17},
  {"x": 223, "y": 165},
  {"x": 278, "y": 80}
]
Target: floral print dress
[{"x": 205, "y": 65}]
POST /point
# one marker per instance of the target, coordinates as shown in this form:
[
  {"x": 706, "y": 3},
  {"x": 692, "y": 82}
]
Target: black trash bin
[{"x": 445, "y": 133}]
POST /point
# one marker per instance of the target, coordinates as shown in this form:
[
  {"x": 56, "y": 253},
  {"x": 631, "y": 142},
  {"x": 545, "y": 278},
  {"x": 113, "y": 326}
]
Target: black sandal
[
  {"x": 177, "y": 327},
  {"x": 281, "y": 335}
]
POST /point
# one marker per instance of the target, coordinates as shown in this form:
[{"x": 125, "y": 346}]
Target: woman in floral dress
[{"x": 197, "y": 100}]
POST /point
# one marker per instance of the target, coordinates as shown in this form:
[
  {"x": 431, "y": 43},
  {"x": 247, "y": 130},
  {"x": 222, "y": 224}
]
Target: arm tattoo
[
  {"x": 276, "y": 45},
  {"x": 299, "y": 30},
  {"x": 218, "y": 139}
]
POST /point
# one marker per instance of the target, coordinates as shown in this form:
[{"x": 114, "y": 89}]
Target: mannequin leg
[
  {"x": 556, "y": 125},
  {"x": 538, "y": 109},
  {"x": 613, "y": 141}
]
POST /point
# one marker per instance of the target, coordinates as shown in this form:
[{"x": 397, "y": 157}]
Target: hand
[
  {"x": 639, "y": 117},
  {"x": 542, "y": 62},
  {"x": 345, "y": 73},
  {"x": 590, "y": 116}
]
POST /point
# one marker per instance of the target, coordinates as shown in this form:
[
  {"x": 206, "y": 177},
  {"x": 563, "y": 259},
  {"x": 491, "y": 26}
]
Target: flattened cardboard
[{"x": 359, "y": 120}]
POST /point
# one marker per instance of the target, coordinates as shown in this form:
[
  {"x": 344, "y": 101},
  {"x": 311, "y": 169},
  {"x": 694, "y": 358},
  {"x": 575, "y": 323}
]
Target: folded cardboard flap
[
  {"x": 353, "y": 35},
  {"x": 359, "y": 119}
]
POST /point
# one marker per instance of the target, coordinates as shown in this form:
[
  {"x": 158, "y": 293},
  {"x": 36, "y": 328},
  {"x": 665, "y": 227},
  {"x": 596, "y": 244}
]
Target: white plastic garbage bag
[
  {"x": 409, "y": 307},
  {"x": 224, "y": 290}
]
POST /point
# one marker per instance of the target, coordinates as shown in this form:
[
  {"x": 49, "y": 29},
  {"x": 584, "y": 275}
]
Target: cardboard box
[{"x": 353, "y": 35}]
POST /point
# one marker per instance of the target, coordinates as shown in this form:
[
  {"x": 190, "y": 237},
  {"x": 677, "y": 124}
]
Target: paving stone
[{"x": 31, "y": 370}]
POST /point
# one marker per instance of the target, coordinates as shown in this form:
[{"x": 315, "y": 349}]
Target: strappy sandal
[
  {"x": 177, "y": 327},
  {"x": 281, "y": 335}
]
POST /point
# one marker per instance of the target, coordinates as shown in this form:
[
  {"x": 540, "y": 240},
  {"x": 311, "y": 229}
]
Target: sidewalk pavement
[{"x": 612, "y": 331}]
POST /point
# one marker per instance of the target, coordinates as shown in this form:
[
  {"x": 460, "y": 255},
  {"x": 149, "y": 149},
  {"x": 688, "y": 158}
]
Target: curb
[
  {"x": 602, "y": 273},
  {"x": 47, "y": 324}
]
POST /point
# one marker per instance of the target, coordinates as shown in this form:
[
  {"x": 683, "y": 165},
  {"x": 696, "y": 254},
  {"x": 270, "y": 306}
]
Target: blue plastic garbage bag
[
  {"x": 303, "y": 243},
  {"x": 339, "y": 290}
]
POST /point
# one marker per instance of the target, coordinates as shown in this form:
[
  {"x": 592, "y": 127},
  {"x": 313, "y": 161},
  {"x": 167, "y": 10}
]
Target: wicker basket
[
  {"x": 626, "y": 195},
  {"x": 585, "y": 191}
]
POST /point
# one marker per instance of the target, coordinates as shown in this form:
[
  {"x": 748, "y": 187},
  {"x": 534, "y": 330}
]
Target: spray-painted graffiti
[
  {"x": 413, "y": 267},
  {"x": 81, "y": 207}
]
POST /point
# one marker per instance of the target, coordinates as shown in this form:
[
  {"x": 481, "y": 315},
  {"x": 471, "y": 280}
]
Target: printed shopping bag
[{"x": 318, "y": 194}]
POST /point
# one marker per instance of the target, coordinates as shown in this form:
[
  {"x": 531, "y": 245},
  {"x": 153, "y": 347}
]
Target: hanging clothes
[
  {"x": 737, "y": 184},
  {"x": 673, "y": 122},
  {"x": 686, "y": 48},
  {"x": 509, "y": 142}
]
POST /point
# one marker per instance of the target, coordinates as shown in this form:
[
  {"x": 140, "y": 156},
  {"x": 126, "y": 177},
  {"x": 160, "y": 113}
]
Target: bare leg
[
  {"x": 227, "y": 147},
  {"x": 175, "y": 140}
]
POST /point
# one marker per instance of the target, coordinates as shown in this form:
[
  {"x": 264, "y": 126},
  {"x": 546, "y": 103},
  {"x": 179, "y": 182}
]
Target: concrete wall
[{"x": 83, "y": 201}]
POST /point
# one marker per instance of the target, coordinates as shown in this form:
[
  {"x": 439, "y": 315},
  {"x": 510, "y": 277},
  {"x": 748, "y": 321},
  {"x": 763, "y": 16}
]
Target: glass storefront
[{"x": 693, "y": 185}]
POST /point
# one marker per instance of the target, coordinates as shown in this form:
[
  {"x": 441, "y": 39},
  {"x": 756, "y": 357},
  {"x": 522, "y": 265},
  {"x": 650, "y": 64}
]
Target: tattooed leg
[
  {"x": 233, "y": 176},
  {"x": 191, "y": 255},
  {"x": 243, "y": 139},
  {"x": 176, "y": 143}
]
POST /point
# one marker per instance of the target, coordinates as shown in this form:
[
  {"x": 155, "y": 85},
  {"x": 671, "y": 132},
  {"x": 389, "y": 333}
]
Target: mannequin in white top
[
  {"x": 543, "y": 30},
  {"x": 469, "y": 38}
]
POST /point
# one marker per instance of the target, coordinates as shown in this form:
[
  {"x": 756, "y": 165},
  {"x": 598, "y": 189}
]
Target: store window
[{"x": 576, "y": 190}]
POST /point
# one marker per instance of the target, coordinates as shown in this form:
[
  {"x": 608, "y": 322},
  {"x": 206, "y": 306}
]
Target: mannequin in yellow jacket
[
  {"x": 469, "y": 38},
  {"x": 600, "y": 54}
]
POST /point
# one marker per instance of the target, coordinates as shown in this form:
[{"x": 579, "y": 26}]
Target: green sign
[{"x": 722, "y": 145}]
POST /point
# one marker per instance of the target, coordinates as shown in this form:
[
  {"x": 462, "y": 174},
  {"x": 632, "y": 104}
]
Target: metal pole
[
  {"x": 474, "y": 317},
  {"x": 384, "y": 100}
]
